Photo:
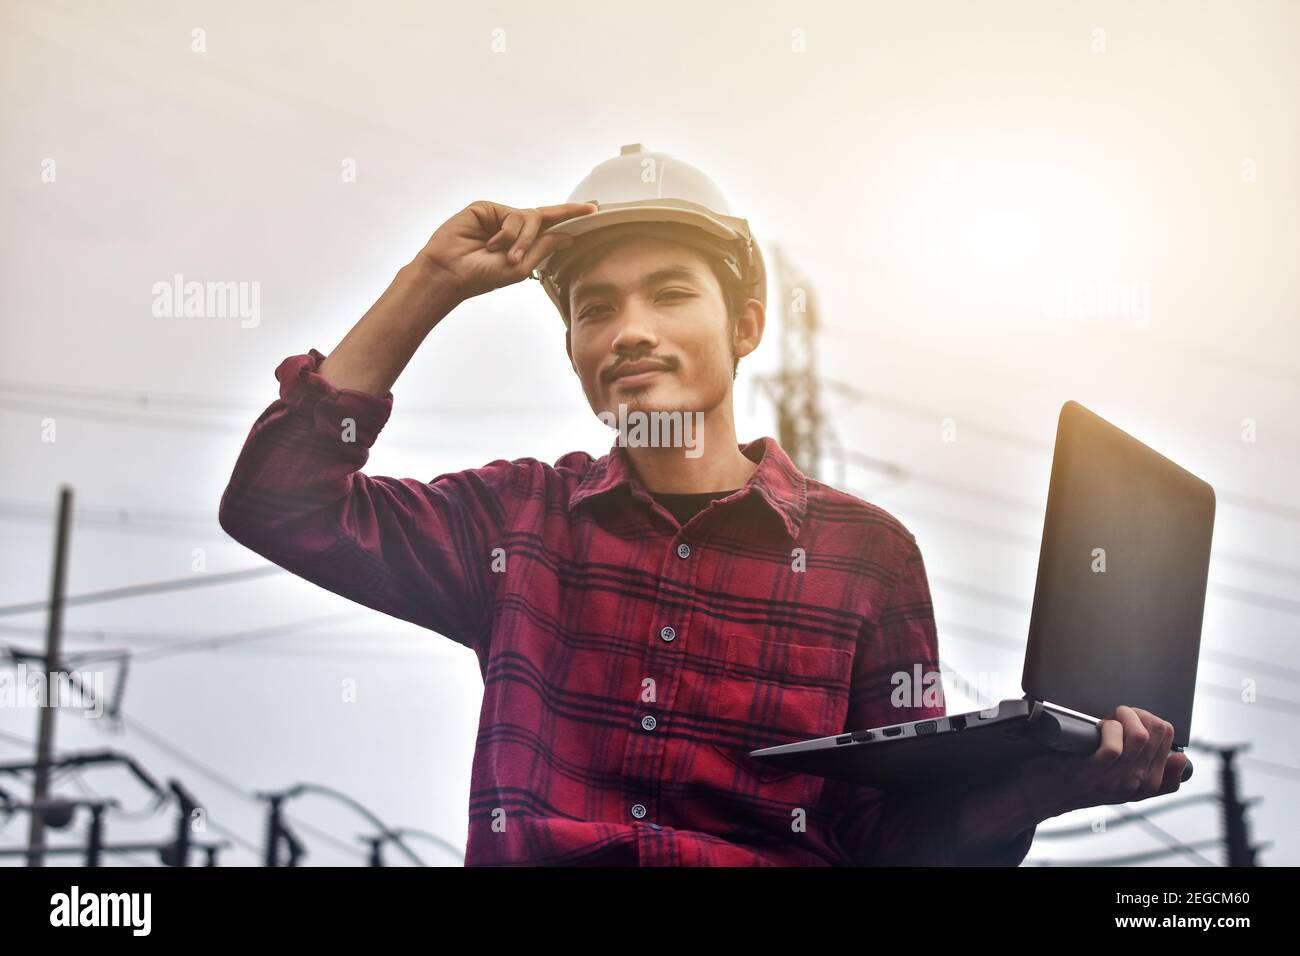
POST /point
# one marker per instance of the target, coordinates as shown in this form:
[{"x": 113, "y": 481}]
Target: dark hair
[
  {"x": 734, "y": 298},
  {"x": 734, "y": 295}
]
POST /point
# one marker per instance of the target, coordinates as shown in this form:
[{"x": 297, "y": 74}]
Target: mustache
[{"x": 667, "y": 364}]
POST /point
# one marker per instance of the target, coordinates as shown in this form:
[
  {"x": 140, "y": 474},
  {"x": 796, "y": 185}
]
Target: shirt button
[
  {"x": 683, "y": 550},
  {"x": 667, "y": 633},
  {"x": 648, "y": 722},
  {"x": 638, "y": 810}
]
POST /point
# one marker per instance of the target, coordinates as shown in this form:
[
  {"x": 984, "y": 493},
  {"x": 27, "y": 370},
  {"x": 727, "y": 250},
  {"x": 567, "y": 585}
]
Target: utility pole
[
  {"x": 1237, "y": 848},
  {"x": 95, "y": 839},
  {"x": 178, "y": 853},
  {"x": 53, "y": 656},
  {"x": 794, "y": 387},
  {"x": 274, "y": 827}
]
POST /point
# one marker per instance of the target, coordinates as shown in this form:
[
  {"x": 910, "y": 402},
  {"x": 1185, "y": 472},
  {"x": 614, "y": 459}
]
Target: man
[{"x": 645, "y": 619}]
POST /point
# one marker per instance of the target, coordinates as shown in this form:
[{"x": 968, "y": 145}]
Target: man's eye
[{"x": 594, "y": 311}]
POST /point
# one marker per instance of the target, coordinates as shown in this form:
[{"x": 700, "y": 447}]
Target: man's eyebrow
[{"x": 654, "y": 278}]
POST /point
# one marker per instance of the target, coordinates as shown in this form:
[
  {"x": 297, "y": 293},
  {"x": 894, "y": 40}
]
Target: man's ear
[{"x": 749, "y": 328}]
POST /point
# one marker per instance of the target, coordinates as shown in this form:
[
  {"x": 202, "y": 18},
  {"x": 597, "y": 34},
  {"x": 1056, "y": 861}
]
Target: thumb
[{"x": 1178, "y": 768}]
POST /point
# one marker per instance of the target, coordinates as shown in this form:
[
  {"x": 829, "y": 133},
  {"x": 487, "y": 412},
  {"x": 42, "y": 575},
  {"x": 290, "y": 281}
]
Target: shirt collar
[{"x": 777, "y": 482}]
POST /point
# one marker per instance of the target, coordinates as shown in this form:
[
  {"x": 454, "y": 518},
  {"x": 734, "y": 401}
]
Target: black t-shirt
[{"x": 683, "y": 507}]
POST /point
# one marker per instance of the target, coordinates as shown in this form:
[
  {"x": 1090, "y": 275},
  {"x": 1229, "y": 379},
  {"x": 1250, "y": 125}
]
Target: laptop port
[
  {"x": 958, "y": 722},
  {"x": 893, "y": 731},
  {"x": 844, "y": 739},
  {"x": 926, "y": 727}
]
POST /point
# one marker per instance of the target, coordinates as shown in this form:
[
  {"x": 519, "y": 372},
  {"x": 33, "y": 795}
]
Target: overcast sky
[{"x": 960, "y": 184}]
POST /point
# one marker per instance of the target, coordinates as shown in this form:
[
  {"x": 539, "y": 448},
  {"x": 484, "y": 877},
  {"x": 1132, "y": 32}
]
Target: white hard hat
[{"x": 641, "y": 193}]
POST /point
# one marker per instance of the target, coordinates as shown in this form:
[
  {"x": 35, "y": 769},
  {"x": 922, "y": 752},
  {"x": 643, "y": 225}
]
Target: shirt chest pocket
[{"x": 773, "y": 692}]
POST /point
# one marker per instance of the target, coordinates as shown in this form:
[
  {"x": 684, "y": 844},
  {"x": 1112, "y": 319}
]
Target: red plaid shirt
[{"x": 629, "y": 663}]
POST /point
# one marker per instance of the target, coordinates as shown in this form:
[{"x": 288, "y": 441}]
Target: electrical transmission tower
[
  {"x": 1237, "y": 848},
  {"x": 801, "y": 428}
]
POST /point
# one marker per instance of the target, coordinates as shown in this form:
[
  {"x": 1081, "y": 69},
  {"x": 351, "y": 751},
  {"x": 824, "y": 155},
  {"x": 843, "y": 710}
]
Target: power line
[
  {"x": 320, "y": 650},
  {"x": 1173, "y": 845},
  {"x": 187, "y": 424},
  {"x": 1272, "y": 602},
  {"x": 1272, "y": 767},
  {"x": 15, "y": 507},
  {"x": 1282, "y": 704},
  {"x": 1086, "y": 829},
  {"x": 235, "y": 837},
  {"x": 994, "y": 433},
  {"x": 1231, "y": 592},
  {"x": 215, "y": 775},
  {"x": 138, "y": 590},
  {"x": 192, "y": 425},
  {"x": 26, "y": 743},
  {"x": 1003, "y": 372},
  {"x": 129, "y": 856},
  {"x": 453, "y": 849},
  {"x": 226, "y": 783},
  {"x": 1132, "y": 858},
  {"x": 157, "y": 740},
  {"x": 324, "y": 647},
  {"x": 360, "y": 808},
  {"x": 1234, "y": 694},
  {"x": 203, "y": 525},
  {"x": 224, "y": 640},
  {"x": 77, "y": 776},
  {"x": 1018, "y": 646},
  {"x": 1038, "y": 508},
  {"x": 133, "y": 398},
  {"x": 165, "y": 636},
  {"x": 1165, "y": 836},
  {"x": 178, "y": 754},
  {"x": 1237, "y": 849},
  {"x": 151, "y": 401}
]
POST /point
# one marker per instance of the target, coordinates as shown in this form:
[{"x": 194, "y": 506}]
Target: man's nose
[{"x": 636, "y": 325}]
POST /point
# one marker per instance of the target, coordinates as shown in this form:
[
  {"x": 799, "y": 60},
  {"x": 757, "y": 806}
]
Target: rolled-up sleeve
[
  {"x": 914, "y": 826},
  {"x": 420, "y": 551}
]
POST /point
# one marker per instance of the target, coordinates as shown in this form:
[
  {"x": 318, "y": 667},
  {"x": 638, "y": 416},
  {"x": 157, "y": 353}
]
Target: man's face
[{"x": 652, "y": 302}]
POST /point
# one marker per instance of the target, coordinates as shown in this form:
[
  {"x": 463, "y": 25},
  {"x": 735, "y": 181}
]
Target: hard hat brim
[
  {"x": 612, "y": 214},
  {"x": 679, "y": 211}
]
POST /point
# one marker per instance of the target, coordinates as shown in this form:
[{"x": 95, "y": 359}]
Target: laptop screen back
[{"x": 1121, "y": 577}]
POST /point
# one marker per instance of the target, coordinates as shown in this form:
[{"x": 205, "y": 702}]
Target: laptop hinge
[{"x": 1037, "y": 708}]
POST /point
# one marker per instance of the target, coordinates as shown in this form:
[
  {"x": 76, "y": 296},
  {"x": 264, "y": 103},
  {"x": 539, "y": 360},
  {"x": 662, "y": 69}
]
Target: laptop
[{"x": 1116, "y": 619}]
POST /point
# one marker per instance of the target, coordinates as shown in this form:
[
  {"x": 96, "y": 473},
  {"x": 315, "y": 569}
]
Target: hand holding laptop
[
  {"x": 1117, "y": 613},
  {"x": 1133, "y": 762}
]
